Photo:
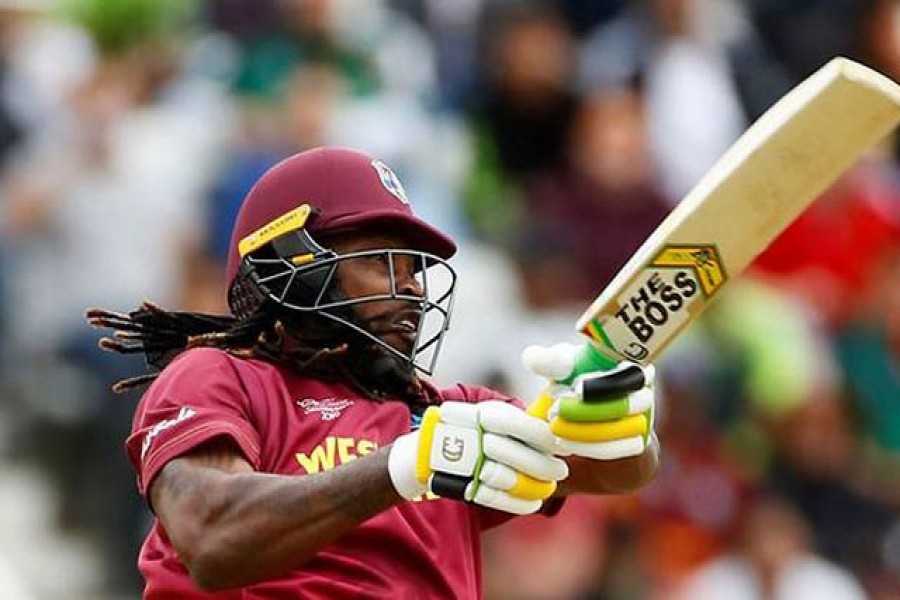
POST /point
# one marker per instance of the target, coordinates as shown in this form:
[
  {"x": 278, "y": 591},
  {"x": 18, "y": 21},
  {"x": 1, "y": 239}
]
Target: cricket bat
[{"x": 786, "y": 159}]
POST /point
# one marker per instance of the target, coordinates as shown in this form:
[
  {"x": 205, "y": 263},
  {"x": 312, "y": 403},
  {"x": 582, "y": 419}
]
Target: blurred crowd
[{"x": 549, "y": 138}]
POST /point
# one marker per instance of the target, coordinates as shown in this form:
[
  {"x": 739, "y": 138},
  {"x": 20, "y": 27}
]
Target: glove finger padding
[
  {"x": 523, "y": 458},
  {"x": 502, "y": 477},
  {"x": 500, "y": 500},
  {"x": 507, "y": 420},
  {"x": 490, "y": 453}
]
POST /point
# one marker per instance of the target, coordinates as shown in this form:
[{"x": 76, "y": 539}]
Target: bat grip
[{"x": 589, "y": 359}]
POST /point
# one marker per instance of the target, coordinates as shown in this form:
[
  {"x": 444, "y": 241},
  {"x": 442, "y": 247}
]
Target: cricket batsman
[{"x": 298, "y": 448}]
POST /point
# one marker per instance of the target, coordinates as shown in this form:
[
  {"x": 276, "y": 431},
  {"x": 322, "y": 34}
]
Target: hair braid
[{"x": 161, "y": 335}]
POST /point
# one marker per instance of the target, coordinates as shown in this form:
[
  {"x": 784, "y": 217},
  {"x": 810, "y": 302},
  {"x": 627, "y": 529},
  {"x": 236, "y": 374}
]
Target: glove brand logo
[
  {"x": 453, "y": 449},
  {"x": 328, "y": 409}
]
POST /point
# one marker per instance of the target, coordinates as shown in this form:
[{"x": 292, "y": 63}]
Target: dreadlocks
[{"x": 161, "y": 335}]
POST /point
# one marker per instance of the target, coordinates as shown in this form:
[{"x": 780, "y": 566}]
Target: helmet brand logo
[{"x": 390, "y": 181}]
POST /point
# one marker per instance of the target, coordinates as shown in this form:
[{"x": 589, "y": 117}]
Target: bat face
[
  {"x": 666, "y": 295},
  {"x": 768, "y": 177}
]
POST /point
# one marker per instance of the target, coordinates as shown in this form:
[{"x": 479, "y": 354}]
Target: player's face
[{"x": 394, "y": 321}]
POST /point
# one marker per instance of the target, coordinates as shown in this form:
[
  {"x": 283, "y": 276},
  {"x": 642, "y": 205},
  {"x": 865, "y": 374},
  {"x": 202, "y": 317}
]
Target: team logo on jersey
[
  {"x": 390, "y": 181},
  {"x": 328, "y": 409}
]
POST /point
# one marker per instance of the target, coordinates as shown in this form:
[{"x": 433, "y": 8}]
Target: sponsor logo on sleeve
[{"x": 183, "y": 415}]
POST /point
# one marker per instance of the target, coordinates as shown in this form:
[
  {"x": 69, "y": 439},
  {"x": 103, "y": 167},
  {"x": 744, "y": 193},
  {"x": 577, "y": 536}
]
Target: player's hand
[
  {"x": 490, "y": 453},
  {"x": 604, "y": 414}
]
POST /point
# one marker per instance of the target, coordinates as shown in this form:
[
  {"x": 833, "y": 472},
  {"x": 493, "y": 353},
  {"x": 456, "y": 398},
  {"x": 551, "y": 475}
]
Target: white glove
[
  {"x": 601, "y": 412},
  {"x": 490, "y": 453}
]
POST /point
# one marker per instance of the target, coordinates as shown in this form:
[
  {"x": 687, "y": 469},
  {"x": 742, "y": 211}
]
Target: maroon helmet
[
  {"x": 350, "y": 190},
  {"x": 276, "y": 259}
]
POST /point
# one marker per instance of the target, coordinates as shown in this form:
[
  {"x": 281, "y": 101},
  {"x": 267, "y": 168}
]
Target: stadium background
[{"x": 549, "y": 139}]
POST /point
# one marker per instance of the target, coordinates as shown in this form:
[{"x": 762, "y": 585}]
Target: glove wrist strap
[{"x": 401, "y": 467}]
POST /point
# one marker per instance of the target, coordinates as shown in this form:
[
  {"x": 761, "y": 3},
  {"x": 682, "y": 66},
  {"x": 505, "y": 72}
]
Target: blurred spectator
[
  {"x": 11, "y": 586},
  {"x": 691, "y": 512},
  {"x": 564, "y": 555},
  {"x": 524, "y": 121},
  {"x": 454, "y": 27},
  {"x": 829, "y": 255},
  {"x": 783, "y": 419},
  {"x": 244, "y": 20},
  {"x": 584, "y": 15},
  {"x": 114, "y": 183},
  {"x": 830, "y": 28},
  {"x": 529, "y": 107},
  {"x": 773, "y": 561},
  {"x": 304, "y": 34},
  {"x": 868, "y": 350},
  {"x": 704, "y": 72},
  {"x": 264, "y": 138},
  {"x": 880, "y": 36},
  {"x": 42, "y": 60},
  {"x": 585, "y": 219},
  {"x": 371, "y": 46}
]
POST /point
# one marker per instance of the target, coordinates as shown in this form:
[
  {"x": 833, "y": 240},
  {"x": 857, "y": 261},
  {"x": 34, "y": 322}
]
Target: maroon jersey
[{"x": 288, "y": 424}]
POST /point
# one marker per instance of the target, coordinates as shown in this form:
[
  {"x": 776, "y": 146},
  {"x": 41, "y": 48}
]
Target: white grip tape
[
  {"x": 640, "y": 401},
  {"x": 633, "y": 446}
]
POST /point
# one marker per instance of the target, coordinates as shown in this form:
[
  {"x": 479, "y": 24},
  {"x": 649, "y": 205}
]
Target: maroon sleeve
[
  {"x": 462, "y": 392},
  {"x": 197, "y": 398}
]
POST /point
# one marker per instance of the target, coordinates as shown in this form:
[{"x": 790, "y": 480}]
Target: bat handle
[
  {"x": 589, "y": 359},
  {"x": 586, "y": 360}
]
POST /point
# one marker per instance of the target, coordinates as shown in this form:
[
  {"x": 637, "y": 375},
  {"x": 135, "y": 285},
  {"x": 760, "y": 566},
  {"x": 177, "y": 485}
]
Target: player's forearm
[
  {"x": 589, "y": 476},
  {"x": 237, "y": 529}
]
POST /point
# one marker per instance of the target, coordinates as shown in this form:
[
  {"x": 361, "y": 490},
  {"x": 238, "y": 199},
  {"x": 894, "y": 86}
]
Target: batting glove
[
  {"x": 491, "y": 453},
  {"x": 604, "y": 413}
]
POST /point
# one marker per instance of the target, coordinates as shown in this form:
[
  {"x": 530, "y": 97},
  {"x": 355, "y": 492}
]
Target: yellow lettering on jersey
[
  {"x": 334, "y": 451},
  {"x": 364, "y": 447},
  {"x": 320, "y": 459},
  {"x": 345, "y": 445}
]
